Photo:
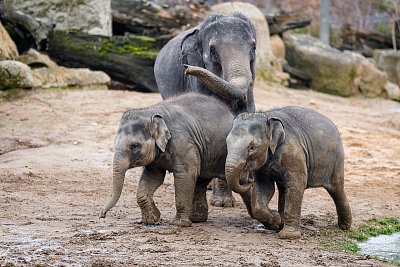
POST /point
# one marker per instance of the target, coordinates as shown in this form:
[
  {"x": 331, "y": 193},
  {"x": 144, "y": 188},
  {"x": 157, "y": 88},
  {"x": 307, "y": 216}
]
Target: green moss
[
  {"x": 141, "y": 46},
  {"x": 336, "y": 239}
]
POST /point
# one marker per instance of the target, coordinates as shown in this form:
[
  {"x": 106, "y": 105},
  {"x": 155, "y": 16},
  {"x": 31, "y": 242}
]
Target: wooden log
[
  {"x": 127, "y": 59},
  {"x": 25, "y": 30},
  {"x": 285, "y": 20},
  {"x": 150, "y": 19}
]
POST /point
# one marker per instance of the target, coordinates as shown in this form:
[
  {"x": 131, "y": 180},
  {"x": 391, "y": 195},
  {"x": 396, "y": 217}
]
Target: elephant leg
[
  {"x": 199, "y": 211},
  {"x": 221, "y": 194},
  {"x": 150, "y": 180},
  {"x": 281, "y": 200},
  {"x": 246, "y": 197},
  {"x": 184, "y": 191},
  {"x": 263, "y": 191},
  {"x": 337, "y": 192},
  {"x": 296, "y": 184}
]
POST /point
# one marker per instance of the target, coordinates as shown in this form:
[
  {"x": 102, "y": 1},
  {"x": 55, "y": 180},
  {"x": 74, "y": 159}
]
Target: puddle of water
[{"x": 383, "y": 246}]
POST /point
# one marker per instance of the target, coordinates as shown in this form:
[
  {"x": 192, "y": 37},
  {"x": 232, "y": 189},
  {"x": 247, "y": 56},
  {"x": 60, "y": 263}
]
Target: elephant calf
[
  {"x": 294, "y": 147},
  {"x": 185, "y": 135}
]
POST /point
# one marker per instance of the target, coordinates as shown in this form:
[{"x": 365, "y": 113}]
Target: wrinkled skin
[
  {"x": 185, "y": 135},
  {"x": 295, "y": 148},
  {"x": 215, "y": 58}
]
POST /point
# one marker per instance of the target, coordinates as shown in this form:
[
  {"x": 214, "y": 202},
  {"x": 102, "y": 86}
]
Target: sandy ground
[{"x": 55, "y": 175}]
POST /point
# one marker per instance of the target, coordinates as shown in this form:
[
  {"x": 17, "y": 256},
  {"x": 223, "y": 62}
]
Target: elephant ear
[
  {"x": 191, "y": 49},
  {"x": 160, "y": 132},
  {"x": 276, "y": 133}
]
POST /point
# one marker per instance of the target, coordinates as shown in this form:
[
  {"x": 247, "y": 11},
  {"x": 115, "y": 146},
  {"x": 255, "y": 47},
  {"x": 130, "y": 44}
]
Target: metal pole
[{"x": 324, "y": 21}]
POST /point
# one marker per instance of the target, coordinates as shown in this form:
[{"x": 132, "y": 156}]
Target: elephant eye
[
  {"x": 213, "y": 53},
  {"x": 135, "y": 146},
  {"x": 252, "y": 148}
]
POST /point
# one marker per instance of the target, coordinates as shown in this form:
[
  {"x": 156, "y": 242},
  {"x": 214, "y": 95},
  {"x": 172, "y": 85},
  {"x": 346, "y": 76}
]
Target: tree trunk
[
  {"x": 281, "y": 22},
  {"x": 128, "y": 59}
]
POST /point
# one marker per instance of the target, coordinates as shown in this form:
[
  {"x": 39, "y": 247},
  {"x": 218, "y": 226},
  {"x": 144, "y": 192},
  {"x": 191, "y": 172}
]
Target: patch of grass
[{"x": 336, "y": 239}]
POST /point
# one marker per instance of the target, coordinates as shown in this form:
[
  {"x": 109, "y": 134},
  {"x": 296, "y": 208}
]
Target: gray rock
[
  {"x": 89, "y": 16},
  {"x": 15, "y": 74},
  {"x": 8, "y": 49},
  {"x": 330, "y": 71},
  {"x": 333, "y": 71},
  {"x": 388, "y": 61},
  {"x": 393, "y": 91},
  {"x": 64, "y": 77}
]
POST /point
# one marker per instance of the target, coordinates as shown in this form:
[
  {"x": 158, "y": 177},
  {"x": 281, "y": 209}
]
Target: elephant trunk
[
  {"x": 120, "y": 165},
  {"x": 235, "y": 173},
  {"x": 235, "y": 88}
]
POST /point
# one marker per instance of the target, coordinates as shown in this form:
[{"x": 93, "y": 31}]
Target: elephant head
[
  {"x": 221, "y": 53},
  {"x": 139, "y": 138},
  {"x": 251, "y": 138}
]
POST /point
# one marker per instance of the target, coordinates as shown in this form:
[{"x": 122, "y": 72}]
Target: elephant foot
[
  {"x": 199, "y": 216},
  {"x": 344, "y": 224},
  {"x": 289, "y": 232},
  {"x": 183, "y": 222},
  {"x": 222, "y": 194},
  {"x": 151, "y": 216},
  {"x": 271, "y": 220}
]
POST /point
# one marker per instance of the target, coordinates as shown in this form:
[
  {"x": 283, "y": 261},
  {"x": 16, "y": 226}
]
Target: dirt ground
[{"x": 55, "y": 175}]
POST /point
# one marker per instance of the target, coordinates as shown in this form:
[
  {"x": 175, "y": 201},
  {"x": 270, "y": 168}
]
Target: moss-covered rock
[
  {"x": 15, "y": 74},
  {"x": 330, "y": 71}
]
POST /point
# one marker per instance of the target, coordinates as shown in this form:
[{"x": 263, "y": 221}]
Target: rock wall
[{"x": 89, "y": 16}]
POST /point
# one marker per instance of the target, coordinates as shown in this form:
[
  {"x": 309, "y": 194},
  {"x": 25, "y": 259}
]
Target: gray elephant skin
[
  {"x": 185, "y": 135},
  {"x": 215, "y": 58},
  {"x": 294, "y": 147}
]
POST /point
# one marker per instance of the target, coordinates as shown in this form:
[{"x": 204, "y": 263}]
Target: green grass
[{"x": 336, "y": 239}]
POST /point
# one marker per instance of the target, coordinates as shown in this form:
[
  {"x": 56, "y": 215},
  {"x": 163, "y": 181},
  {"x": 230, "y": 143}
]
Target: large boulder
[
  {"x": 388, "y": 60},
  {"x": 267, "y": 65},
  {"x": 15, "y": 74},
  {"x": 329, "y": 70},
  {"x": 89, "y": 16},
  {"x": 63, "y": 77},
  {"x": 332, "y": 71},
  {"x": 392, "y": 91},
  {"x": 8, "y": 49}
]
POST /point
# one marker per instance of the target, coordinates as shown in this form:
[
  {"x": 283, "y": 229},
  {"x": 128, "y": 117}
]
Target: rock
[
  {"x": 329, "y": 70},
  {"x": 89, "y": 16},
  {"x": 35, "y": 59},
  {"x": 267, "y": 64},
  {"x": 392, "y": 91},
  {"x": 388, "y": 61},
  {"x": 370, "y": 81},
  {"x": 8, "y": 49},
  {"x": 15, "y": 74},
  {"x": 278, "y": 47},
  {"x": 62, "y": 77}
]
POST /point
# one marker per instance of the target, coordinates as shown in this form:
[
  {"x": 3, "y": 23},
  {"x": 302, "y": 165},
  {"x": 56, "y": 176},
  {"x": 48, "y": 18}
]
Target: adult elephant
[{"x": 215, "y": 58}]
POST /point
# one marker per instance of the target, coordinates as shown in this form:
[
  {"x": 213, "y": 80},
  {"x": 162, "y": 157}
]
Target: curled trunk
[
  {"x": 120, "y": 166},
  {"x": 234, "y": 172},
  {"x": 229, "y": 90}
]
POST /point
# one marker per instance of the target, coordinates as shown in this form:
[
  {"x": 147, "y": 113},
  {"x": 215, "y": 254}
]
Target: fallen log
[
  {"x": 127, "y": 59},
  {"x": 147, "y": 18},
  {"x": 286, "y": 20},
  {"x": 25, "y": 30}
]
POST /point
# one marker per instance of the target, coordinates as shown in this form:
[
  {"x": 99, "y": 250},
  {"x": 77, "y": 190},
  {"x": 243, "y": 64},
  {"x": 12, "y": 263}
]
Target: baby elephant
[
  {"x": 185, "y": 135},
  {"x": 294, "y": 147}
]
